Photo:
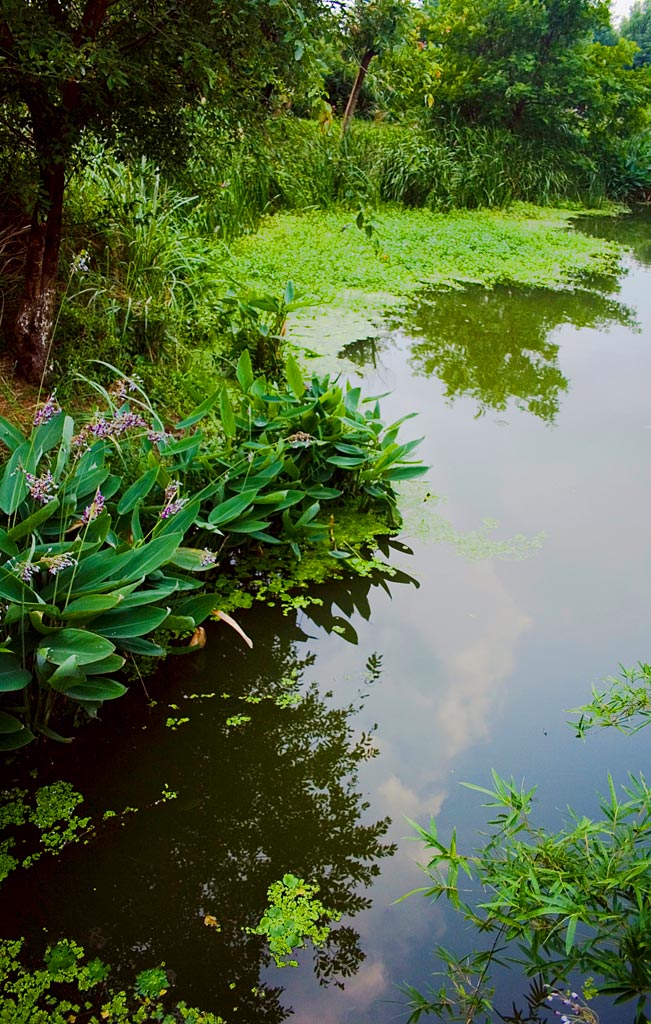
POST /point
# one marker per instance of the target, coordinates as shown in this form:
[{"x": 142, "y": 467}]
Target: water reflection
[
  {"x": 634, "y": 232},
  {"x": 273, "y": 791},
  {"x": 495, "y": 345}
]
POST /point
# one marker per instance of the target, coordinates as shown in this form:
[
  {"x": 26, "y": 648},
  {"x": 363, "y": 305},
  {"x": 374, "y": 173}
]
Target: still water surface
[{"x": 535, "y": 413}]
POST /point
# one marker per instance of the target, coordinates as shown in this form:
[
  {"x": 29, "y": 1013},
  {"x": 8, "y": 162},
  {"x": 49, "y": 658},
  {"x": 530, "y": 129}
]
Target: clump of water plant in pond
[
  {"x": 70, "y": 987},
  {"x": 294, "y": 915},
  {"x": 104, "y": 526}
]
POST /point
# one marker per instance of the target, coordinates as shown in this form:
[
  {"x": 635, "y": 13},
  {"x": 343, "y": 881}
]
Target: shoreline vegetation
[{"x": 186, "y": 223}]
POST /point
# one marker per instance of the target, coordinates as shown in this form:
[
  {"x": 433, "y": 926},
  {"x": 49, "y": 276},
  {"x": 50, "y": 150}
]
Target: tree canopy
[{"x": 113, "y": 67}]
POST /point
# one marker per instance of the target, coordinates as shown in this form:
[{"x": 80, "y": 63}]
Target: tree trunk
[
  {"x": 36, "y": 315},
  {"x": 351, "y": 106}
]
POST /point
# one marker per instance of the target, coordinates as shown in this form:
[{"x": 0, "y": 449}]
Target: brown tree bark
[
  {"x": 351, "y": 106},
  {"x": 36, "y": 314}
]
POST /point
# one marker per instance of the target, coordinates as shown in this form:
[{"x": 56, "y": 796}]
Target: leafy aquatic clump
[
  {"x": 104, "y": 528},
  {"x": 69, "y": 987},
  {"x": 301, "y": 444},
  {"x": 293, "y": 915},
  {"x": 554, "y": 903}
]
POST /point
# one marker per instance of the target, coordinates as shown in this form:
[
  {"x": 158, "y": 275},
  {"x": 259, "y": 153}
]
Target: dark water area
[{"x": 515, "y": 594}]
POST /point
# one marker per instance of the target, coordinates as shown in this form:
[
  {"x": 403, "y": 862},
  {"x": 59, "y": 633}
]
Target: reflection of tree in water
[
  {"x": 255, "y": 800},
  {"x": 632, "y": 230},
  {"x": 350, "y": 595},
  {"x": 493, "y": 345}
]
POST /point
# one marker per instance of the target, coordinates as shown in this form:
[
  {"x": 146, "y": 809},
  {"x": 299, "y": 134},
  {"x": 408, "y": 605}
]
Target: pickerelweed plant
[{"x": 104, "y": 527}]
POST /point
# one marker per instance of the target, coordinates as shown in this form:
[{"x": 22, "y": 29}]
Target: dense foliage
[{"x": 105, "y": 525}]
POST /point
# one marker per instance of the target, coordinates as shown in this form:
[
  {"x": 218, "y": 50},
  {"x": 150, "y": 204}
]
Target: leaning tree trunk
[
  {"x": 36, "y": 314},
  {"x": 351, "y": 106}
]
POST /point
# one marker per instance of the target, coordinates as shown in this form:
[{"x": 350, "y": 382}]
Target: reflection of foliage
[
  {"x": 632, "y": 231},
  {"x": 493, "y": 345},
  {"x": 572, "y": 901},
  {"x": 274, "y": 795}
]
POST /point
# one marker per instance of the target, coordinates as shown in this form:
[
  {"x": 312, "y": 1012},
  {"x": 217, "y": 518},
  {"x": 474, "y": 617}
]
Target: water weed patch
[{"x": 326, "y": 255}]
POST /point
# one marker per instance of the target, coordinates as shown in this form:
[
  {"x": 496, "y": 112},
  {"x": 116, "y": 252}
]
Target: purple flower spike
[
  {"x": 95, "y": 508},
  {"x": 47, "y": 411}
]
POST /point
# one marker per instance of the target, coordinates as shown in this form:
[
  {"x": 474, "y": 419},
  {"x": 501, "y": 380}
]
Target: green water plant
[
  {"x": 552, "y": 904},
  {"x": 294, "y": 914},
  {"x": 70, "y": 987}
]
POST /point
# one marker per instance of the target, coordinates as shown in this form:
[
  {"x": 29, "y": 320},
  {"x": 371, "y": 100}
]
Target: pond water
[{"x": 528, "y": 584}]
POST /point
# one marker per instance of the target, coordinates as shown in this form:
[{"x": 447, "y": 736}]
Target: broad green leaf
[
  {"x": 347, "y": 461},
  {"x": 309, "y": 514},
  {"x": 179, "y": 623},
  {"x": 294, "y": 376},
  {"x": 279, "y": 499},
  {"x": 87, "y": 606},
  {"x": 184, "y": 444},
  {"x": 245, "y": 371},
  {"x": 289, "y": 292},
  {"x": 98, "y": 688},
  {"x": 10, "y": 436},
  {"x": 130, "y": 623},
  {"x": 137, "y": 491},
  {"x": 191, "y": 559},
  {"x": 34, "y": 521},
  {"x": 351, "y": 400},
  {"x": 160, "y": 592},
  {"x": 13, "y": 487},
  {"x": 404, "y": 472},
  {"x": 9, "y": 724},
  {"x": 87, "y": 646},
  {"x": 112, "y": 663},
  {"x": 146, "y": 559},
  {"x": 87, "y": 485},
  {"x": 66, "y": 675},
  {"x": 198, "y": 607},
  {"x": 16, "y": 740},
  {"x": 232, "y": 508},
  {"x": 136, "y": 645},
  {"x": 571, "y": 931},
  {"x": 7, "y": 546},
  {"x": 14, "y": 589},
  {"x": 247, "y": 524},
  {"x": 16, "y": 612},
  {"x": 199, "y": 413},
  {"x": 47, "y": 435},
  {"x": 323, "y": 493},
  {"x": 227, "y": 416}
]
